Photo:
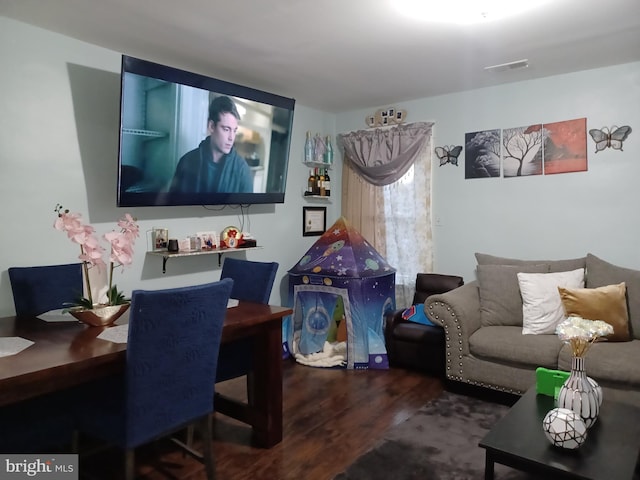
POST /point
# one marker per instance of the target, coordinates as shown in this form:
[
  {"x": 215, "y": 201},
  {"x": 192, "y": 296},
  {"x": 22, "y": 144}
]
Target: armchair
[{"x": 415, "y": 345}]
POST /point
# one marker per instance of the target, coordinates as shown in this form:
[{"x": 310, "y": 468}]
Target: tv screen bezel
[{"x": 182, "y": 77}]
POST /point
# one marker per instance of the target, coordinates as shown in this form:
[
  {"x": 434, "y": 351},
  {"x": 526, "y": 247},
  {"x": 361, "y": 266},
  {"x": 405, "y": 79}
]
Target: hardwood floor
[{"x": 331, "y": 417}]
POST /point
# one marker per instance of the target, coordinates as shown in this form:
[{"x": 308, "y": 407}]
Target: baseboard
[{"x": 482, "y": 393}]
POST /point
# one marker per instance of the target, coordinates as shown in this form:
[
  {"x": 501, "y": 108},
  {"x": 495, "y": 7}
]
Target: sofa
[{"x": 483, "y": 322}]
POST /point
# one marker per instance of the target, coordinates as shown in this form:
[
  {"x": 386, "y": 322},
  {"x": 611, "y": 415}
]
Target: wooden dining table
[{"x": 66, "y": 354}]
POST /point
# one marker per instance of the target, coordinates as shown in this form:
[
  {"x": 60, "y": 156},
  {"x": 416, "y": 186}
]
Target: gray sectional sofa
[{"x": 485, "y": 345}]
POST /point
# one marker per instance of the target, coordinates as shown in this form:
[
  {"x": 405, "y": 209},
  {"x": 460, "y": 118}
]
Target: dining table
[{"x": 68, "y": 353}]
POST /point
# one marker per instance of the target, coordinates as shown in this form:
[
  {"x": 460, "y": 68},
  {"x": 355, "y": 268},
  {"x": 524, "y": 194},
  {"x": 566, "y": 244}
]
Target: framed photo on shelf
[{"x": 314, "y": 221}]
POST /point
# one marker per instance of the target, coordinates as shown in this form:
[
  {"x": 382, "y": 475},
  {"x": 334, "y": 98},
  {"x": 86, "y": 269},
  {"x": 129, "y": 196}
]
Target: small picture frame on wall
[{"x": 314, "y": 221}]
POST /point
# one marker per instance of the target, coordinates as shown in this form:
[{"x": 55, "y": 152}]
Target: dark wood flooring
[{"x": 331, "y": 417}]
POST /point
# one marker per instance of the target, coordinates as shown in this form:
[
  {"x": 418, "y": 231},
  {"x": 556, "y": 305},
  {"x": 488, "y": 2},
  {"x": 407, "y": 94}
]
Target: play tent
[{"x": 340, "y": 290}]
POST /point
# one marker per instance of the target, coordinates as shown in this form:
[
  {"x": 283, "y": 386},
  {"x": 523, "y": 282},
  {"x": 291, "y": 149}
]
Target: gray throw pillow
[
  {"x": 500, "y": 299},
  {"x": 601, "y": 273},
  {"x": 554, "y": 265}
]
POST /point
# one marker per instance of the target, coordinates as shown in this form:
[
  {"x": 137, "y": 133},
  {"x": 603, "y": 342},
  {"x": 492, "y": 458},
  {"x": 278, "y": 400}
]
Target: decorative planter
[
  {"x": 578, "y": 393},
  {"x": 99, "y": 315}
]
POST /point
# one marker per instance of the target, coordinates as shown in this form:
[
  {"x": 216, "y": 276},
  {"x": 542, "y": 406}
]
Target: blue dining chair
[
  {"x": 42, "y": 288},
  {"x": 44, "y": 423},
  {"x": 169, "y": 378},
  {"x": 252, "y": 282}
]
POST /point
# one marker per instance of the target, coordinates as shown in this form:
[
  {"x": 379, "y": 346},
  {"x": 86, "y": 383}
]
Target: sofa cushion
[
  {"x": 554, "y": 265},
  {"x": 607, "y": 303},
  {"x": 541, "y": 305},
  {"x": 601, "y": 273},
  {"x": 500, "y": 300},
  {"x": 509, "y": 345},
  {"x": 614, "y": 364}
]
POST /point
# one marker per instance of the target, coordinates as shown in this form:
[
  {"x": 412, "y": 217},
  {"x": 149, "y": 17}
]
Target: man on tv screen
[{"x": 215, "y": 166}]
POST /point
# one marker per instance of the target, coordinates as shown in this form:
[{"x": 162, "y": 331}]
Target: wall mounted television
[{"x": 164, "y": 114}]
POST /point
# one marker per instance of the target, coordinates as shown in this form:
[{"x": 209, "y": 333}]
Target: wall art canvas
[
  {"x": 565, "y": 146},
  {"x": 522, "y": 151},
  {"x": 482, "y": 154}
]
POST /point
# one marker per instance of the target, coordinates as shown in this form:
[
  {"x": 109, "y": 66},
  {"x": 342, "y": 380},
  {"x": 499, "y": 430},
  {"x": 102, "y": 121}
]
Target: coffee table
[{"x": 609, "y": 452}]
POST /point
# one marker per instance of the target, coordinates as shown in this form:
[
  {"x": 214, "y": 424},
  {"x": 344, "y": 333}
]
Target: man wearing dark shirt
[{"x": 215, "y": 165}]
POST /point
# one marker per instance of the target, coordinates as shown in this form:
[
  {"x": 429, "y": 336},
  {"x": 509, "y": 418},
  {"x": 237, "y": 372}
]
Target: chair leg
[
  {"x": 207, "y": 446},
  {"x": 250, "y": 389},
  {"x": 189, "y": 439},
  {"x": 130, "y": 464}
]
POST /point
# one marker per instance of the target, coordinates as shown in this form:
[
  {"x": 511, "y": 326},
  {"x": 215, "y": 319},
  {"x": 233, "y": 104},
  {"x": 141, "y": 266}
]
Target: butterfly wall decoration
[
  {"x": 612, "y": 138},
  {"x": 448, "y": 154}
]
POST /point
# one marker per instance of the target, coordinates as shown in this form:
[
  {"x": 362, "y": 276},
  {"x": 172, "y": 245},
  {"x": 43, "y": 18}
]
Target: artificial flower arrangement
[
  {"x": 91, "y": 252},
  {"x": 581, "y": 333}
]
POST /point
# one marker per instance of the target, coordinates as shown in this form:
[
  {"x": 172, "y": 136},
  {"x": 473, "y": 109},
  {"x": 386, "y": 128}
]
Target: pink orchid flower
[{"x": 121, "y": 245}]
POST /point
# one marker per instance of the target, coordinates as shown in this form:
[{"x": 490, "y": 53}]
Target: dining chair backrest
[
  {"x": 252, "y": 281},
  {"x": 42, "y": 288},
  {"x": 172, "y": 354}
]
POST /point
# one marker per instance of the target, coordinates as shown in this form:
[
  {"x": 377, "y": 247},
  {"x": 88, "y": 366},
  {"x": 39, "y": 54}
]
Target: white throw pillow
[{"x": 541, "y": 305}]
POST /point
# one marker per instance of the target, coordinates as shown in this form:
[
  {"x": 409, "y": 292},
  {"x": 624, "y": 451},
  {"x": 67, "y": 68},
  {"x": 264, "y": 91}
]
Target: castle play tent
[{"x": 340, "y": 290}]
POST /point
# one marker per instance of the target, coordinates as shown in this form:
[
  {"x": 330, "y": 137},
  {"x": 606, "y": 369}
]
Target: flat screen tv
[{"x": 172, "y": 153}]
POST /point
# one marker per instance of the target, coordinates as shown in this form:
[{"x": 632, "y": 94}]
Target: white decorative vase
[
  {"x": 597, "y": 388},
  {"x": 578, "y": 393}
]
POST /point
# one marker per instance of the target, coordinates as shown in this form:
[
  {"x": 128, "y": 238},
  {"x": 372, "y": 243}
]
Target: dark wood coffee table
[{"x": 609, "y": 452}]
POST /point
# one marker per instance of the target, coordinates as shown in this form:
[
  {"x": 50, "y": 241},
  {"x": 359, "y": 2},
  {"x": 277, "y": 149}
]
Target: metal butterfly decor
[
  {"x": 613, "y": 137},
  {"x": 448, "y": 154}
]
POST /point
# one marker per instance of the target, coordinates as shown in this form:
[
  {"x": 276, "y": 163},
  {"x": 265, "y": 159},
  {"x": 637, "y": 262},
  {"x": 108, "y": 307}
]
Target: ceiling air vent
[{"x": 503, "y": 67}]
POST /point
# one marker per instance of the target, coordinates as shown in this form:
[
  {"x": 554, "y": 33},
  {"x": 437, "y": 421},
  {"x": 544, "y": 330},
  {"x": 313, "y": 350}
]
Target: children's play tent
[{"x": 340, "y": 290}]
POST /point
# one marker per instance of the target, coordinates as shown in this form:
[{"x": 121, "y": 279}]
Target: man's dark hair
[{"x": 220, "y": 105}]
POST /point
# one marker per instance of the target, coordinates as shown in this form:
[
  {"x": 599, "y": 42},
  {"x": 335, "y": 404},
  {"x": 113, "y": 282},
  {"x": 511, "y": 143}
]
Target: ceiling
[{"x": 341, "y": 55}]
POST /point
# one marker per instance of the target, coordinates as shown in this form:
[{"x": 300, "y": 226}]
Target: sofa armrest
[{"x": 458, "y": 311}]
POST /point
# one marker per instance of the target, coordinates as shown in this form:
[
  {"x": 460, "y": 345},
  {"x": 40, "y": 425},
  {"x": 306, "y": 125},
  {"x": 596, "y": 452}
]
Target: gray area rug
[{"x": 439, "y": 442}]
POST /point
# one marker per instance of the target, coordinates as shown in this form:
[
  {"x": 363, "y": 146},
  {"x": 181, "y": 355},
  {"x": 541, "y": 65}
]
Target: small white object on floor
[
  {"x": 332, "y": 355},
  {"x": 232, "y": 303}
]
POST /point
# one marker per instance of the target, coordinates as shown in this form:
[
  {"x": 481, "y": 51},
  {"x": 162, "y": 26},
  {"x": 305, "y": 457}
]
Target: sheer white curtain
[
  {"x": 386, "y": 195},
  {"x": 407, "y": 218}
]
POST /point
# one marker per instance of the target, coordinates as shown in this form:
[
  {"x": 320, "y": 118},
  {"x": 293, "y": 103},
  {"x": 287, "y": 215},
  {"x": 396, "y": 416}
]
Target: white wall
[
  {"x": 59, "y": 118},
  {"x": 554, "y": 216},
  {"x": 58, "y": 143}
]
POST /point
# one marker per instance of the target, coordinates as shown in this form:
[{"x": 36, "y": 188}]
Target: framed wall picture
[{"x": 314, "y": 221}]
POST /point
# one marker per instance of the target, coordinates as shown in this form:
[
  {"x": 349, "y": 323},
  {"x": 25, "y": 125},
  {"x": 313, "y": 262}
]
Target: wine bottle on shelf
[
  {"x": 316, "y": 182},
  {"x": 328, "y": 153},
  {"x": 321, "y": 183},
  {"x": 327, "y": 183},
  {"x": 309, "y": 148},
  {"x": 310, "y": 183}
]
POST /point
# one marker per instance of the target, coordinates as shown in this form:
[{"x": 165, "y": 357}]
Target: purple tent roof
[{"x": 342, "y": 252}]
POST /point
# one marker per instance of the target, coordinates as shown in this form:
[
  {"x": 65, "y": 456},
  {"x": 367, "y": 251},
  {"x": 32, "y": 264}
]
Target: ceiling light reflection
[{"x": 465, "y": 12}]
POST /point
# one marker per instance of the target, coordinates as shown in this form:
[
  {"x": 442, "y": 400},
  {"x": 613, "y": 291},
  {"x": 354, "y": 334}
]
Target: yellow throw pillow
[{"x": 608, "y": 303}]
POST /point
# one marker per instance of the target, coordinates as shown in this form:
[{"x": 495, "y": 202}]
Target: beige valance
[{"x": 383, "y": 155}]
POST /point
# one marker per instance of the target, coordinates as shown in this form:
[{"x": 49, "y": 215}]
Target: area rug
[{"x": 439, "y": 442}]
